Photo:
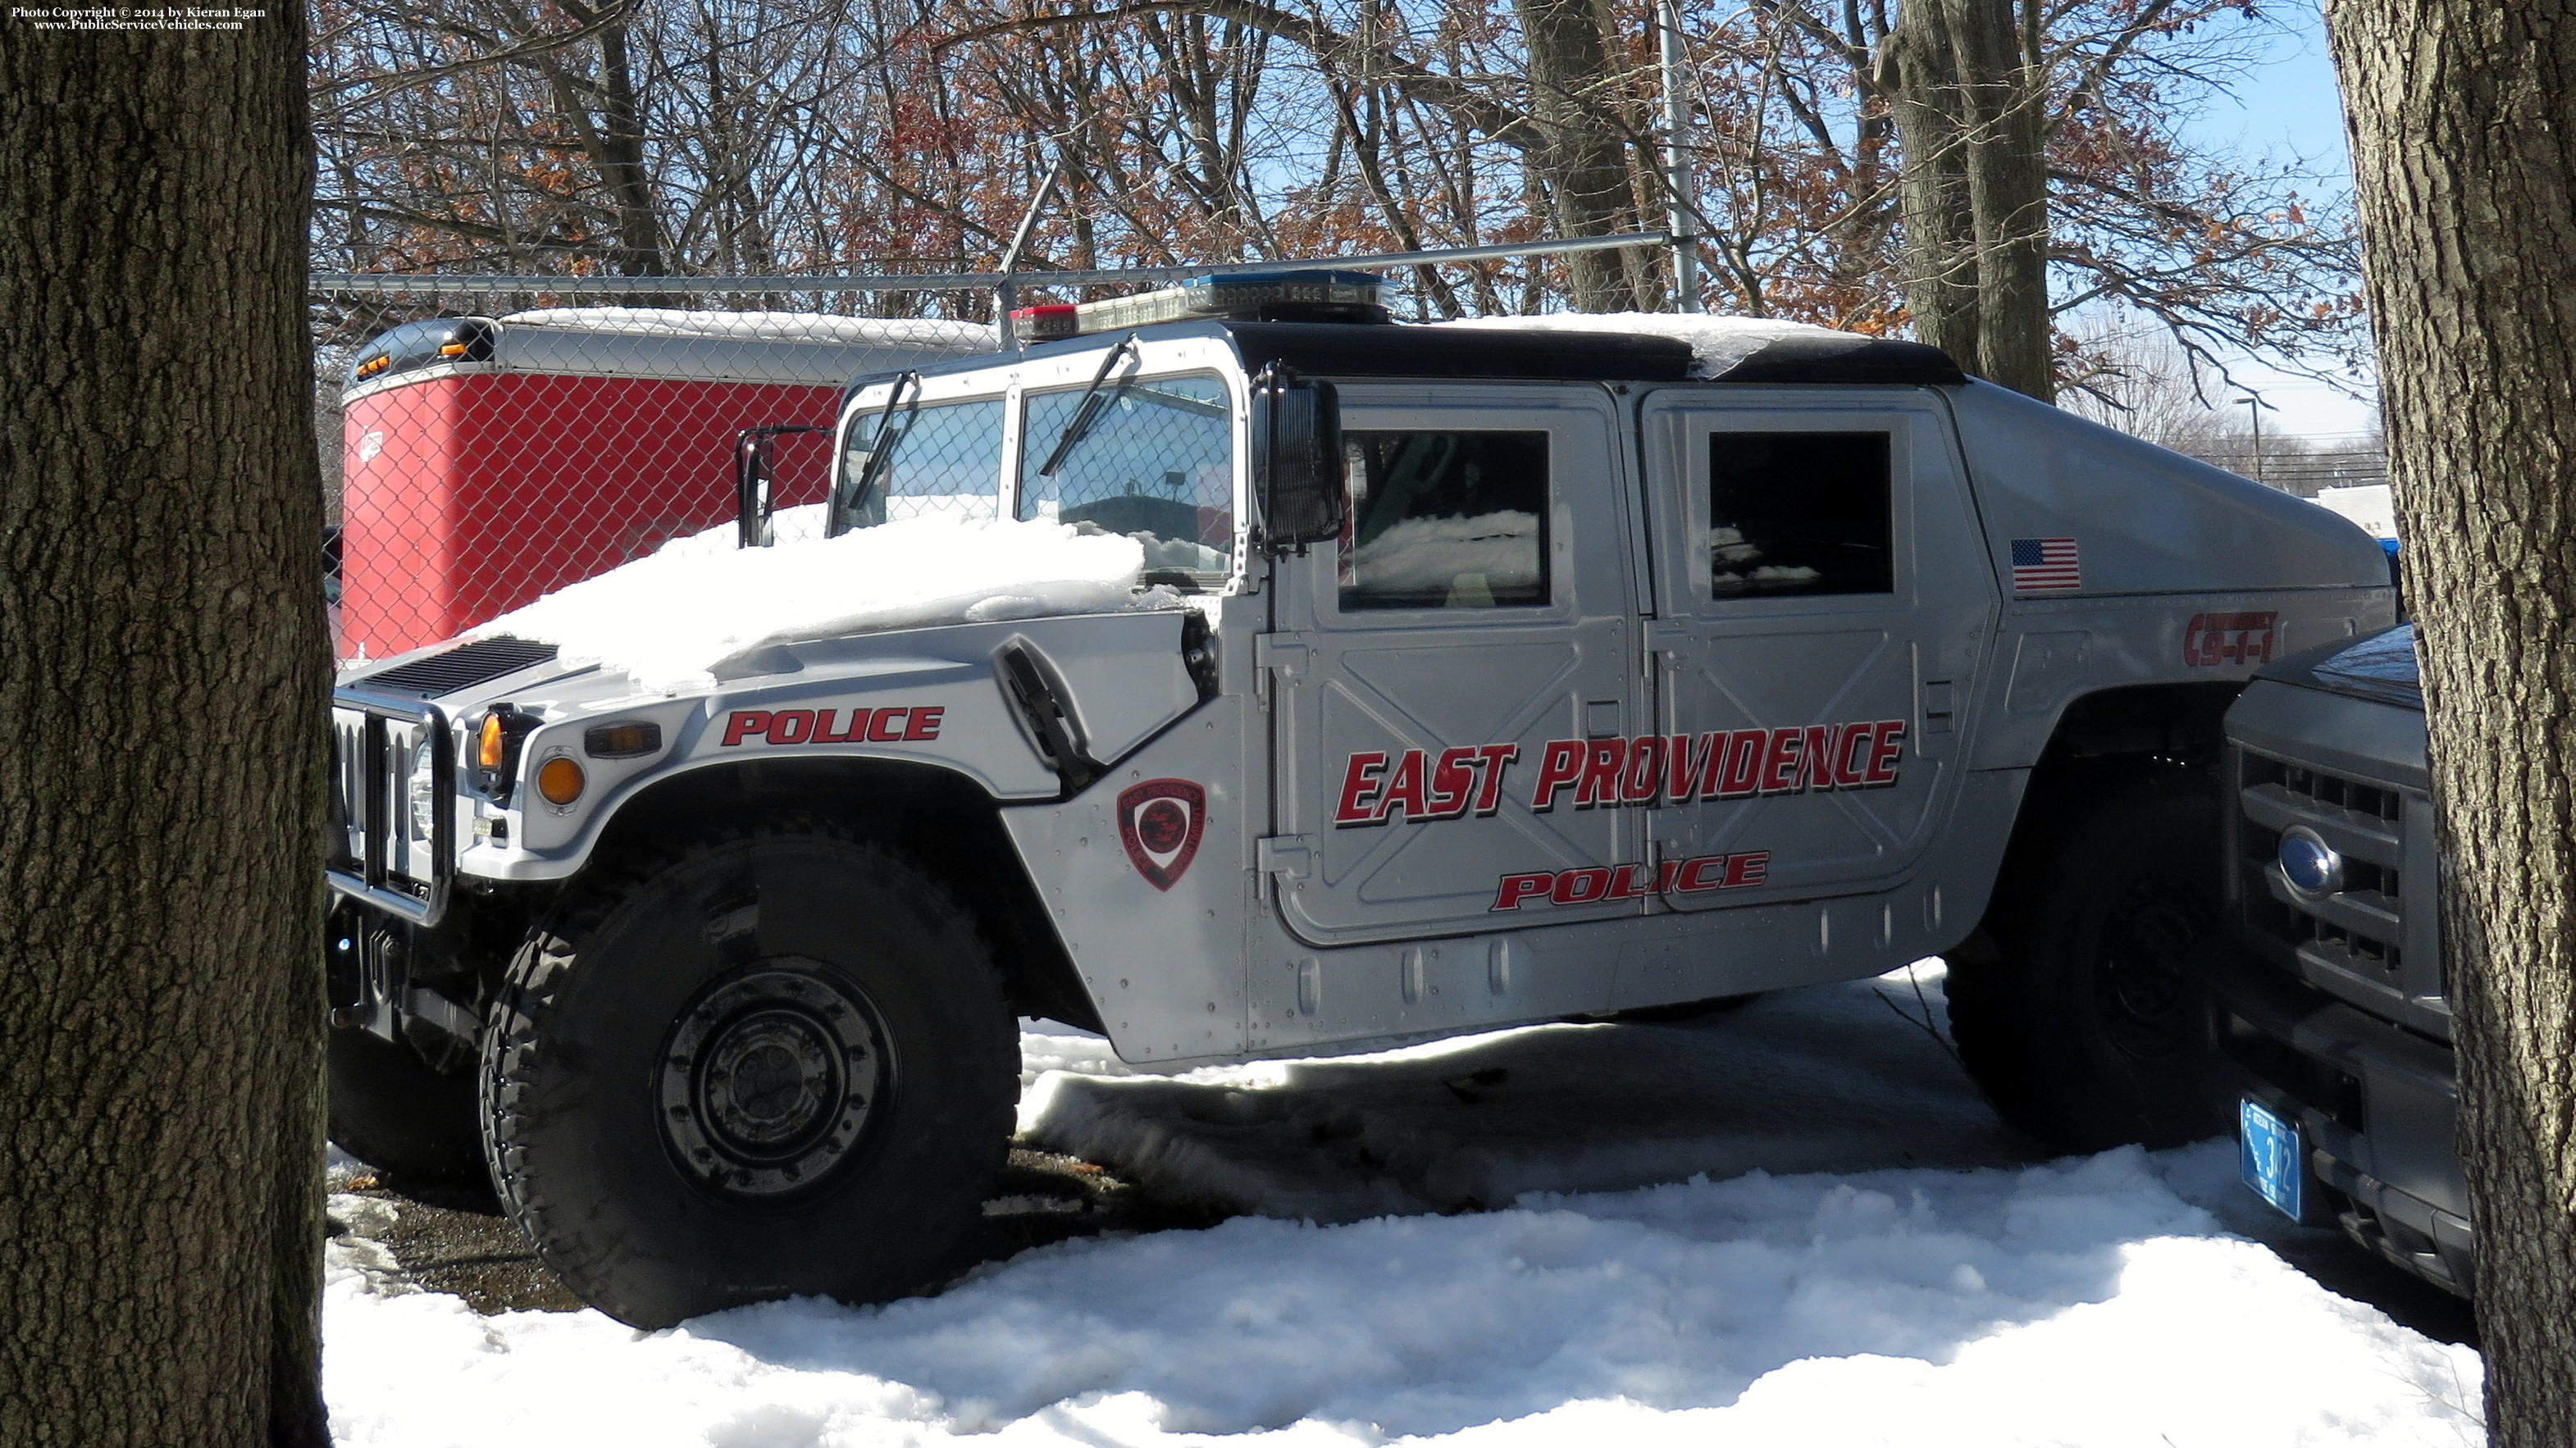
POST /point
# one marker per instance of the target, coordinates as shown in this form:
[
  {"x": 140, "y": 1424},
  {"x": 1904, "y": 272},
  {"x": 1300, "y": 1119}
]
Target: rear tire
[
  {"x": 2079, "y": 1009},
  {"x": 391, "y": 1111},
  {"x": 775, "y": 1065}
]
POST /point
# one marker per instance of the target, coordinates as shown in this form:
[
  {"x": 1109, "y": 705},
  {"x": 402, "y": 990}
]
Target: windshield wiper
[
  {"x": 846, "y": 500},
  {"x": 1093, "y": 404}
]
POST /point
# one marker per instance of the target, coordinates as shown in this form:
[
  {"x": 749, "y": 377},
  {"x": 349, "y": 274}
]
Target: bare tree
[
  {"x": 163, "y": 673},
  {"x": 2461, "y": 111}
]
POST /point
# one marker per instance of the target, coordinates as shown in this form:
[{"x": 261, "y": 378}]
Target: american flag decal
[{"x": 2045, "y": 565}]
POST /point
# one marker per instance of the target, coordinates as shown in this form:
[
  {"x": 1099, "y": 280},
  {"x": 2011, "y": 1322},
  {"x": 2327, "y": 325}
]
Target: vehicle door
[
  {"x": 1476, "y": 611},
  {"x": 1821, "y": 595}
]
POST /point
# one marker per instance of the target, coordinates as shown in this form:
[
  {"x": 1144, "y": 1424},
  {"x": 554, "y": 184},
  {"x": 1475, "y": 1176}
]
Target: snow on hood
[
  {"x": 1717, "y": 343},
  {"x": 671, "y": 618}
]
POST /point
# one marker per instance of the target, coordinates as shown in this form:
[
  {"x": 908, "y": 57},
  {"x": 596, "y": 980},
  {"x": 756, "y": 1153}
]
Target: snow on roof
[
  {"x": 670, "y": 619},
  {"x": 1717, "y": 343},
  {"x": 766, "y": 326}
]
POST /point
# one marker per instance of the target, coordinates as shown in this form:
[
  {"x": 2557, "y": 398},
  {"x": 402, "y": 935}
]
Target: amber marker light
[
  {"x": 452, "y": 349},
  {"x": 560, "y": 780},
  {"x": 490, "y": 744}
]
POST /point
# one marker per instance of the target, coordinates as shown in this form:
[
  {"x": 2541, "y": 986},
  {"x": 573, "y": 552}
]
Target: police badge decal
[{"x": 1160, "y": 822}]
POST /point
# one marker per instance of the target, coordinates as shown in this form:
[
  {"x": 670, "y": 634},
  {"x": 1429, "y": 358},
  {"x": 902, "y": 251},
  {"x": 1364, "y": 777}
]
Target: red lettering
[
  {"x": 1558, "y": 765},
  {"x": 1684, "y": 767},
  {"x": 1752, "y": 869},
  {"x": 1743, "y": 772},
  {"x": 1780, "y": 761},
  {"x": 1453, "y": 778},
  {"x": 1696, "y": 874},
  {"x": 1518, "y": 889},
  {"x": 925, "y": 723},
  {"x": 791, "y": 726},
  {"x": 1359, "y": 789},
  {"x": 1601, "y": 773},
  {"x": 743, "y": 723},
  {"x": 1643, "y": 777},
  {"x": 885, "y": 727},
  {"x": 1404, "y": 788},
  {"x": 1665, "y": 874},
  {"x": 1581, "y": 887},
  {"x": 1888, "y": 747},
  {"x": 1627, "y": 882},
  {"x": 1816, "y": 760},
  {"x": 1492, "y": 759},
  {"x": 823, "y": 731},
  {"x": 1851, "y": 757}
]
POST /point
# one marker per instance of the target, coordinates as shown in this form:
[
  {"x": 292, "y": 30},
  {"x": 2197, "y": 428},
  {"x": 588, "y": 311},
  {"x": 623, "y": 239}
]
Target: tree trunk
[
  {"x": 162, "y": 676},
  {"x": 2463, "y": 115},
  {"x": 1967, "y": 104},
  {"x": 1580, "y": 148}
]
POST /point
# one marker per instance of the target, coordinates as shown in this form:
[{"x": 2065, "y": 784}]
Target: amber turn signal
[
  {"x": 488, "y": 745},
  {"x": 560, "y": 780}
]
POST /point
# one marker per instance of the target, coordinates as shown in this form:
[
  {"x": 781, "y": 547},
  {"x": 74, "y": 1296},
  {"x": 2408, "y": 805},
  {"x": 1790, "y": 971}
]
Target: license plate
[{"x": 2269, "y": 1158}]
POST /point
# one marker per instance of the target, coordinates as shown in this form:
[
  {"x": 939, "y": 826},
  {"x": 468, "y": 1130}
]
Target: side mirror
[
  {"x": 1297, "y": 458},
  {"x": 753, "y": 498}
]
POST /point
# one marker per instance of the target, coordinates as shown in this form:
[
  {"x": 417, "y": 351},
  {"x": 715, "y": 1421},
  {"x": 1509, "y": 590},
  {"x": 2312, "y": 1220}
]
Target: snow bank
[
  {"x": 672, "y": 618},
  {"x": 2098, "y": 1301},
  {"x": 1717, "y": 343}
]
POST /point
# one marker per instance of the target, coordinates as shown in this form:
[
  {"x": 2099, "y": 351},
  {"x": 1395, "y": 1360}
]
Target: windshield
[
  {"x": 943, "y": 459},
  {"x": 1156, "y": 462}
]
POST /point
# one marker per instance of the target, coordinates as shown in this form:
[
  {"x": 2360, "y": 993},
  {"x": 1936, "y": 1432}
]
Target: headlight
[{"x": 421, "y": 790}]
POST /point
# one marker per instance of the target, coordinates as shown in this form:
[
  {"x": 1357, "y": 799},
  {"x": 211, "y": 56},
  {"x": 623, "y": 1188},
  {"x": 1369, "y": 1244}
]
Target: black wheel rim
[
  {"x": 768, "y": 1080},
  {"x": 2142, "y": 975}
]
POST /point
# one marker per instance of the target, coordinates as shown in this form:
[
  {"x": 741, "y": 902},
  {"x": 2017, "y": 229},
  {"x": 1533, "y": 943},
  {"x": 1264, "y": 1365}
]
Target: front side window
[
  {"x": 1152, "y": 458},
  {"x": 1445, "y": 520},
  {"x": 942, "y": 460},
  {"x": 1794, "y": 514}
]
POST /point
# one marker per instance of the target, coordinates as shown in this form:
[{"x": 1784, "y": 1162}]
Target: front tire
[
  {"x": 2078, "y": 1009},
  {"x": 778, "y": 1064},
  {"x": 391, "y": 1111}
]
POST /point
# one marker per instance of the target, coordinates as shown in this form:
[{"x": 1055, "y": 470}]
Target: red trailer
[{"x": 490, "y": 460}]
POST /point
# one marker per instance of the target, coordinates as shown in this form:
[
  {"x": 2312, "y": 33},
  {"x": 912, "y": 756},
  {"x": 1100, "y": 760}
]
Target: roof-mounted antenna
[{"x": 1006, "y": 294}]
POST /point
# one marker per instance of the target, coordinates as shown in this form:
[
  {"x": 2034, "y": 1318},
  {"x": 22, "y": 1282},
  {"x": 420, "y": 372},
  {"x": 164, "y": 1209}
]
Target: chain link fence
[{"x": 500, "y": 437}]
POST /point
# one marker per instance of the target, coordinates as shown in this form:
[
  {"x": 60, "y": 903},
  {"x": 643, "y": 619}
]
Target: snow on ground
[
  {"x": 1717, "y": 343},
  {"x": 674, "y": 616},
  {"x": 1863, "y": 1260}
]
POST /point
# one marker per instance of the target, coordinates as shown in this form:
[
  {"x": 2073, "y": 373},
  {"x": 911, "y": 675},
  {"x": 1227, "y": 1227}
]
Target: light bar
[{"x": 1280, "y": 296}]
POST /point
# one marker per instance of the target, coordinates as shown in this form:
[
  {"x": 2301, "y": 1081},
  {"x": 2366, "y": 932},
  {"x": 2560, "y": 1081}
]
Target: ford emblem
[{"x": 2311, "y": 865}]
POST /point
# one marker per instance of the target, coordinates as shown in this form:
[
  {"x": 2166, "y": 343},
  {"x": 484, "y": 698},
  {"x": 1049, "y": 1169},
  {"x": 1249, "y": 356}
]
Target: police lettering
[
  {"x": 1605, "y": 884},
  {"x": 901, "y": 724}
]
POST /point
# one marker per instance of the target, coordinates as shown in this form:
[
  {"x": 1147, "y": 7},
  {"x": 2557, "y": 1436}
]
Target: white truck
[{"x": 1484, "y": 675}]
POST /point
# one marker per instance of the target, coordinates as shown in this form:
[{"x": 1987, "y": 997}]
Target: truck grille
[
  {"x": 390, "y": 845},
  {"x": 461, "y": 667},
  {"x": 2358, "y": 933}
]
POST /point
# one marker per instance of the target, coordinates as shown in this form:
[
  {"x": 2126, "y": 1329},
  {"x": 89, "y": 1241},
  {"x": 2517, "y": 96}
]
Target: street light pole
[{"x": 2254, "y": 404}]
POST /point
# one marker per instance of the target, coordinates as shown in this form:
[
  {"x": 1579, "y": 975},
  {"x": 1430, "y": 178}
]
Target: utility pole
[
  {"x": 2254, "y": 404},
  {"x": 1681, "y": 202}
]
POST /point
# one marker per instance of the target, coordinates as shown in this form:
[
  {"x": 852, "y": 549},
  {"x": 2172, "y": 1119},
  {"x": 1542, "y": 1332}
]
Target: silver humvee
[{"x": 1506, "y": 674}]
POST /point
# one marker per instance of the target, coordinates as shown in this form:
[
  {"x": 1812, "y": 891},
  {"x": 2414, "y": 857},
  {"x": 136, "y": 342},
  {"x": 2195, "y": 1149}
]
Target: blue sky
[{"x": 2286, "y": 104}]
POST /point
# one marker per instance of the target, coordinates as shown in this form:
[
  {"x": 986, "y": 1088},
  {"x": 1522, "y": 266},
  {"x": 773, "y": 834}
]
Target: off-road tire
[
  {"x": 626, "y": 1167},
  {"x": 391, "y": 1111},
  {"x": 2078, "y": 1009}
]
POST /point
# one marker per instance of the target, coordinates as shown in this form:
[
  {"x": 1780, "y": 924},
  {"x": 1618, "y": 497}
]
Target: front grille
[
  {"x": 2358, "y": 932},
  {"x": 461, "y": 667}
]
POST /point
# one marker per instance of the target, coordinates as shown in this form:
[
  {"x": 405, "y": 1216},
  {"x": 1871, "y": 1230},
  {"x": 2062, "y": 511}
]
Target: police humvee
[{"x": 1515, "y": 673}]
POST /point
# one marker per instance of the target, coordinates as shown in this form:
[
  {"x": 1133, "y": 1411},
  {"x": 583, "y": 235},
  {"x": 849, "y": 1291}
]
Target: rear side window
[
  {"x": 1153, "y": 459},
  {"x": 1798, "y": 513},
  {"x": 1445, "y": 520},
  {"x": 944, "y": 460}
]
